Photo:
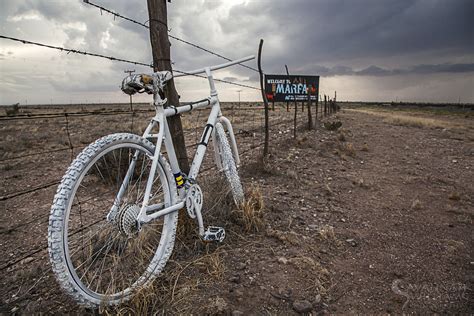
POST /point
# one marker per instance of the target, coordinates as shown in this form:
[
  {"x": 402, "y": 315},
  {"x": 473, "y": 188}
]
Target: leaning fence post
[
  {"x": 310, "y": 118},
  {"x": 265, "y": 102},
  {"x": 325, "y": 105},
  {"x": 316, "y": 116}
]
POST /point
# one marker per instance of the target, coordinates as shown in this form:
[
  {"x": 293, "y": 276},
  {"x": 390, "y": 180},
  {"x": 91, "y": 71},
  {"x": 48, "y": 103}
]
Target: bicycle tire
[
  {"x": 227, "y": 163},
  {"x": 61, "y": 233}
]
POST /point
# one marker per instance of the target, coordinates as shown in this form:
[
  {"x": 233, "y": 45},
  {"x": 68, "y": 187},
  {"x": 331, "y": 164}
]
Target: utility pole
[
  {"x": 160, "y": 45},
  {"x": 130, "y": 73}
]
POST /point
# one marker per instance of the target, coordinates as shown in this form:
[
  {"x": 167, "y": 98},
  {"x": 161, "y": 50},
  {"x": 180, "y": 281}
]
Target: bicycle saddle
[{"x": 145, "y": 83}]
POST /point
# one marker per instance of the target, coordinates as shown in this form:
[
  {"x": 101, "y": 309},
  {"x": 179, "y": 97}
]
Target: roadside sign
[{"x": 282, "y": 88}]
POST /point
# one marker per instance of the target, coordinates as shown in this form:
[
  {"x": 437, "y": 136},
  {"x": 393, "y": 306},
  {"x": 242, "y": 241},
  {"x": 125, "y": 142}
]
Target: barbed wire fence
[{"x": 38, "y": 145}]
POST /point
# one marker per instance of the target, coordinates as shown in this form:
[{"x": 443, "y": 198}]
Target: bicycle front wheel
[
  {"x": 99, "y": 256},
  {"x": 227, "y": 163}
]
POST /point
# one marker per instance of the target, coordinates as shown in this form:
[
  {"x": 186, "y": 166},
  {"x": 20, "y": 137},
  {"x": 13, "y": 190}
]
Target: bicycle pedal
[{"x": 214, "y": 233}]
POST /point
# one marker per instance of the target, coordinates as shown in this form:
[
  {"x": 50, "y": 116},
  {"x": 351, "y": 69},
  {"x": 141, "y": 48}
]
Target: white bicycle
[{"x": 114, "y": 216}]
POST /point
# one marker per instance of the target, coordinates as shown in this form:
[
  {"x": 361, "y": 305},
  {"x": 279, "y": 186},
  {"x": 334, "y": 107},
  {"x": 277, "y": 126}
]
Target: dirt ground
[{"x": 376, "y": 217}]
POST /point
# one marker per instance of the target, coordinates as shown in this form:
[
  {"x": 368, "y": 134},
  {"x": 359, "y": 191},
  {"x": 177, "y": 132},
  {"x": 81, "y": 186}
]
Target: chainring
[{"x": 194, "y": 200}]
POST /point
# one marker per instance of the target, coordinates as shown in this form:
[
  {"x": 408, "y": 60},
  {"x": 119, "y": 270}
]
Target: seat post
[{"x": 158, "y": 84}]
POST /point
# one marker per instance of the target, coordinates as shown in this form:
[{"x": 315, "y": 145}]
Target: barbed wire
[
  {"x": 30, "y": 116},
  {"x": 42, "y": 217},
  {"x": 75, "y": 51},
  {"x": 115, "y": 14},
  {"x": 218, "y": 80},
  {"x": 92, "y": 113}
]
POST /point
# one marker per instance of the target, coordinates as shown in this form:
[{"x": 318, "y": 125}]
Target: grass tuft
[
  {"x": 251, "y": 212},
  {"x": 416, "y": 205},
  {"x": 455, "y": 196},
  {"x": 326, "y": 232}
]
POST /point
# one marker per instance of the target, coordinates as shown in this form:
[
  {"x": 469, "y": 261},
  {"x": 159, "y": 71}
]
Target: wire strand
[
  {"x": 75, "y": 51},
  {"x": 69, "y": 50},
  {"x": 115, "y": 14}
]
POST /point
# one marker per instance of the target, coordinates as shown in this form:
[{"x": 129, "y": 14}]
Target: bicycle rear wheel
[
  {"x": 227, "y": 163},
  {"x": 100, "y": 261}
]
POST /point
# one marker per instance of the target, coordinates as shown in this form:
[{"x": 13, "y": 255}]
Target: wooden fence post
[
  {"x": 265, "y": 102},
  {"x": 296, "y": 106},
  {"x": 310, "y": 118},
  {"x": 325, "y": 105},
  {"x": 160, "y": 44}
]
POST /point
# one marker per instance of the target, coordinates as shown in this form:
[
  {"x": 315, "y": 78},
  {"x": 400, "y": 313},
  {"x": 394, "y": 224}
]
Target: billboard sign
[{"x": 282, "y": 88}]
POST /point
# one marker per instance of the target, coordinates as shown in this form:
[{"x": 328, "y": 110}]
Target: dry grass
[
  {"x": 285, "y": 237},
  {"x": 349, "y": 149},
  {"x": 341, "y": 137},
  {"x": 292, "y": 174},
  {"x": 345, "y": 149},
  {"x": 452, "y": 245},
  {"x": 412, "y": 120},
  {"x": 455, "y": 196},
  {"x": 214, "y": 265},
  {"x": 318, "y": 274},
  {"x": 326, "y": 232},
  {"x": 12, "y": 110},
  {"x": 176, "y": 289},
  {"x": 361, "y": 183},
  {"x": 416, "y": 205},
  {"x": 421, "y": 122},
  {"x": 251, "y": 212}
]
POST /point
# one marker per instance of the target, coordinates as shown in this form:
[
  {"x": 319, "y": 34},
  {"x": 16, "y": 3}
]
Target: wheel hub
[{"x": 126, "y": 220}]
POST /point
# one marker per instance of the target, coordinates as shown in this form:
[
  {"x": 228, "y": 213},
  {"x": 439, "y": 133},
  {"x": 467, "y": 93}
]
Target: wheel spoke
[{"x": 108, "y": 257}]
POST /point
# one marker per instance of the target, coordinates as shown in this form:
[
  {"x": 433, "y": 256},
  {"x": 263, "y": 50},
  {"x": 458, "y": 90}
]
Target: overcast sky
[{"x": 418, "y": 50}]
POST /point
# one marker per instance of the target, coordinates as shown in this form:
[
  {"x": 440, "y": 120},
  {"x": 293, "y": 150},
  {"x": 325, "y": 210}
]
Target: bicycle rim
[{"x": 109, "y": 259}]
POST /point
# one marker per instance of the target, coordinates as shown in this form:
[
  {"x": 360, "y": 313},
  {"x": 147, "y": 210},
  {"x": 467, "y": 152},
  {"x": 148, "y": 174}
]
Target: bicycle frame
[{"x": 151, "y": 212}]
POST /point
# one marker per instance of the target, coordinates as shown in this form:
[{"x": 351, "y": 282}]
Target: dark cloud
[
  {"x": 386, "y": 40},
  {"x": 415, "y": 70},
  {"x": 305, "y": 31}
]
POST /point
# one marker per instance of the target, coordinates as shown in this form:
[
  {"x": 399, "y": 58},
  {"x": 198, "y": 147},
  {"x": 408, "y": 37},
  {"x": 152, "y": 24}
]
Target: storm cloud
[{"x": 365, "y": 49}]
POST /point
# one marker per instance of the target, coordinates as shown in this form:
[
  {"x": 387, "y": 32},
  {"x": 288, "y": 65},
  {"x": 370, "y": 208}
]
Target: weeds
[
  {"x": 326, "y": 232},
  {"x": 349, "y": 149},
  {"x": 286, "y": 237},
  {"x": 410, "y": 120},
  {"x": 252, "y": 210},
  {"x": 13, "y": 110},
  {"x": 215, "y": 265},
  {"x": 341, "y": 137},
  {"x": 455, "y": 196},
  {"x": 416, "y": 205},
  {"x": 345, "y": 149},
  {"x": 332, "y": 126}
]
